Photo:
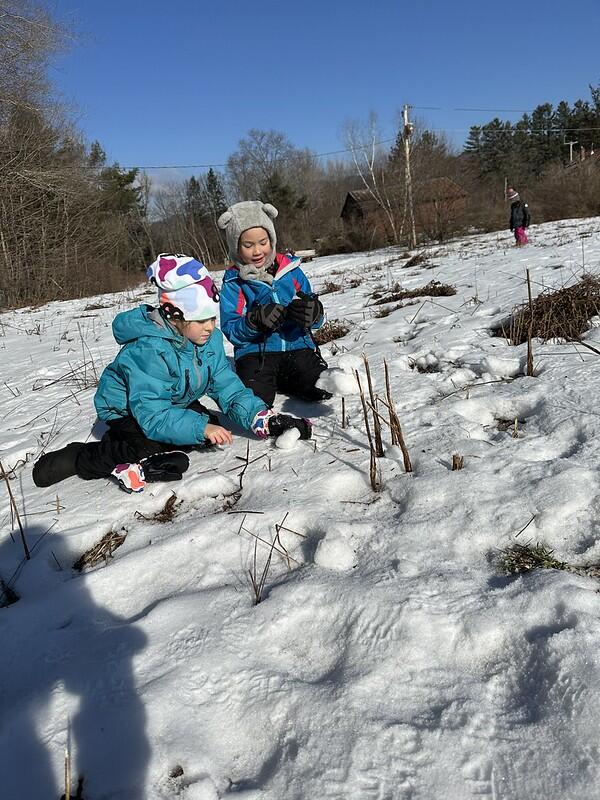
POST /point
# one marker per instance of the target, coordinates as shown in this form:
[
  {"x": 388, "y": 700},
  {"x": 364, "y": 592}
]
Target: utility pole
[
  {"x": 408, "y": 129},
  {"x": 570, "y": 145}
]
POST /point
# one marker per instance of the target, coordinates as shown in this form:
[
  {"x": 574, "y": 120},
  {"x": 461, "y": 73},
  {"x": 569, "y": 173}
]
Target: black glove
[
  {"x": 305, "y": 310},
  {"x": 279, "y": 423},
  {"x": 266, "y": 318},
  {"x": 165, "y": 466}
]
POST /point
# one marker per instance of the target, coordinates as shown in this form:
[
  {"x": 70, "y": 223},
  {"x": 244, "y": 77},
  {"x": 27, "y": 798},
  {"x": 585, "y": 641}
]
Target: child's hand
[{"x": 217, "y": 435}]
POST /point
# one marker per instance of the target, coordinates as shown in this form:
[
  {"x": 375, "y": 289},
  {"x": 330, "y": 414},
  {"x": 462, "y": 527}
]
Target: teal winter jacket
[{"x": 158, "y": 373}]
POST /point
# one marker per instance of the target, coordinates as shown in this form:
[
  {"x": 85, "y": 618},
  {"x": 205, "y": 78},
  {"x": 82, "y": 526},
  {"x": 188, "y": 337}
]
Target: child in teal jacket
[{"x": 149, "y": 396}]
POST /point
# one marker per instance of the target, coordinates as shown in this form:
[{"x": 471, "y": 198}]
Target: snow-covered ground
[{"x": 389, "y": 657}]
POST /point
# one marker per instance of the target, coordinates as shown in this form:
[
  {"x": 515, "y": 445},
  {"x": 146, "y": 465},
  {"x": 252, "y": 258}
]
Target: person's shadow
[{"x": 65, "y": 661}]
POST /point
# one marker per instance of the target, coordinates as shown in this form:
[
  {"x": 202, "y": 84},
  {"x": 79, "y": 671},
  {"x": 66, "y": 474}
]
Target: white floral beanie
[{"x": 185, "y": 289}]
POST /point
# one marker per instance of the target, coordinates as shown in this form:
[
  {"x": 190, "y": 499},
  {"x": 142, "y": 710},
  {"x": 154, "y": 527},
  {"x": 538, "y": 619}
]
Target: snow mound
[{"x": 335, "y": 553}]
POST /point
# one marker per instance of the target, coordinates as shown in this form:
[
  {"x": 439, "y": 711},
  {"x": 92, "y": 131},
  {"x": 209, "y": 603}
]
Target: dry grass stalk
[
  {"x": 530, "y": 330},
  {"x": 330, "y": 287},
  {"x": 343, "y": 412},
  {"x": 376, "y": 423},
  {"x": 67, "y": 773},
  {"x": 373, "y": 473},
  {"x": 561, "y": 313},
  {"x": 395, "y": 427},
  {"x": 166, "y": 514},
  {"x": 15, "y": 512},
  {"x": 458, "y": 462},
  {"x": 258, "y": 584},
  {"x": 270, "y": 545},
  {"x": 101, "y": 551},
  {"x": 245, "y": 467}
]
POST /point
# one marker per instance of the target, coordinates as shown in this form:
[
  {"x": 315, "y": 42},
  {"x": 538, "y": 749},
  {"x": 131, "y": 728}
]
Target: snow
[
  {"x": 388, "y": 658},
  {"x": 287, "y": 440},
  {"x": 338, "y": 382}
]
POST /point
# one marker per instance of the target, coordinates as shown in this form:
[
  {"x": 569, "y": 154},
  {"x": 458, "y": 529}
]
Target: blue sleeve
[
  {"x": 233, "y": 324},
  {"x": 233, "y": 398},
  {"x": 149, "y": 384},
  {"x": 307, "y": 289}
]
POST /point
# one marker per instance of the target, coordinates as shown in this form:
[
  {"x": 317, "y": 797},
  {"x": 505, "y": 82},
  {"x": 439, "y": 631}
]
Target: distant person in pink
[{"x": 519, "y": 217}]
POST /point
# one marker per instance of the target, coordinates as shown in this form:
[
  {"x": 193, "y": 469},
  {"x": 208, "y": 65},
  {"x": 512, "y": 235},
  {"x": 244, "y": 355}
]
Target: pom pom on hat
[{"x": 185, "y": 289}]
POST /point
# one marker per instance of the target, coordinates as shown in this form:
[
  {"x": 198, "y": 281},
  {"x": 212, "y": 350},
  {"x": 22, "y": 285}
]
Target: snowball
[
  {"x": 427, "y": 360},
  {"x": 334, "y": 553},
  {"x": 288, "y": 439},
  {"x": 338, "y": 382},
  {"x": 349, "y": 362}
]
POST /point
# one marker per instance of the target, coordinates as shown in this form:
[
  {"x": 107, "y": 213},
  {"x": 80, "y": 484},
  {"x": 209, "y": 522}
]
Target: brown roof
[{"x": 361, "y": 198}]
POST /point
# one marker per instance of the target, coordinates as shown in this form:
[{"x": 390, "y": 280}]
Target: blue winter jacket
[
  {"x": 239, "y": 295},
  {"x": 157, "y": 373}
]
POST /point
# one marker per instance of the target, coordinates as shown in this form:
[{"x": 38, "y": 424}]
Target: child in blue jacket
[
  {"x": 149, "y": 395},
  {"x": 268, "y": 309}
]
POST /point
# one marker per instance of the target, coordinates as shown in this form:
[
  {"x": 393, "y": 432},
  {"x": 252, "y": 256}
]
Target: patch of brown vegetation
[
  {"x": 330, "y": 287},
  {"x": 101, "y": 551},
  {"x": 561, "y": 313},
  {"x": 431, "y": 289},
  {"x": 330, "y": 331},
  {"x": 166, "y": 514}
]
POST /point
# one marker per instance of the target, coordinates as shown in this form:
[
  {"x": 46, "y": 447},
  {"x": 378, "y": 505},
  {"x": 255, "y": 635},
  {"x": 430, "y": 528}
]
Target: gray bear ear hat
[{"x": 241, "y": 216}]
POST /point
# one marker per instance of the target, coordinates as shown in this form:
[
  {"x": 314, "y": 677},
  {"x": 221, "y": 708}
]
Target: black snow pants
[
  {"x": 294, "y": 373},
  {"x": 125, "y": 443}
]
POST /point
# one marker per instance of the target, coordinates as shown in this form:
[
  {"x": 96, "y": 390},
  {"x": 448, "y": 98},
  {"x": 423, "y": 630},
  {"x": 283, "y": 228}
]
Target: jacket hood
[{"x": 143, "y": 321}]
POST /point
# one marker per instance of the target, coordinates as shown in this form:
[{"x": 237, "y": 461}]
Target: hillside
[{"x": 390, "y": 657}]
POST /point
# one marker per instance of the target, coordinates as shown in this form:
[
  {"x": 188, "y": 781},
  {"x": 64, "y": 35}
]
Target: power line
[
  {"x": 295, "y": 157},
  {"x": 511, "y": 129},
  {"x": 484, "y": 110}
]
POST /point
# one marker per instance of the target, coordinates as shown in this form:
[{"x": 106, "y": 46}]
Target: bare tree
[{"x": 363, "y": 142}]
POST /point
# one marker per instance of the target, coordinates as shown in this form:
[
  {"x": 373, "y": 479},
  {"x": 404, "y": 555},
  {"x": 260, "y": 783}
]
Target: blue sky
[{"x": 181, "y": 81}]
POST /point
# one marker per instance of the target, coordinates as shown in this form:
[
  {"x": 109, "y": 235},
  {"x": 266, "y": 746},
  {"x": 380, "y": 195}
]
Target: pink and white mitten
[{"x": 130, "y": 477}]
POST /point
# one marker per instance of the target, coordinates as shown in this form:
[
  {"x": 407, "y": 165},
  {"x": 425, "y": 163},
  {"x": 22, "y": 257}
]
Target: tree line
[{"x": 72, "y": 224}]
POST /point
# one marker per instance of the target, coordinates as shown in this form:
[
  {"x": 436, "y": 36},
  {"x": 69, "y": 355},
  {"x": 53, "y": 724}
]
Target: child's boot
[
  {"x": 54, "y": 467},
  {"x": 314, "y": 395}
]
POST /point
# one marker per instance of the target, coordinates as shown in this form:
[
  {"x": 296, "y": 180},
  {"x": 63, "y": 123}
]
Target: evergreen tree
[
  {"x": 214, "y": 194},
  {"x": 276, "y": 191},
  {"x": 194, "y": 199},
  {"x": 97, "y": 156}
]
